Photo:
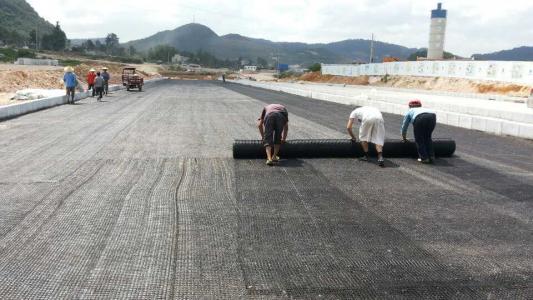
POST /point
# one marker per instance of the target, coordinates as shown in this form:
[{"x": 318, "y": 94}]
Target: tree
[
  {"x": 89, "y": 45},
  {"x": 132, "y": 50},
  {"x": 32, "y": 41},
  {"x": 99, "y": 46},
  {"x": 111, "y": 43},
  {"x": 57, "y": 40},
  {"x": 162, "y": 53},
  {"x": 262, "y": 63},
  {"x": 315, "y": 67}
]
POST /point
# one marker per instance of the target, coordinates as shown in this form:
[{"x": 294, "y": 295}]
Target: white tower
[{"x": 437, "y": 33}]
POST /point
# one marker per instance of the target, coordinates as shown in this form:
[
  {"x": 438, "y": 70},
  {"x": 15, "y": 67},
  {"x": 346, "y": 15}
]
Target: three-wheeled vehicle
[{"x": 132, "y": 80}]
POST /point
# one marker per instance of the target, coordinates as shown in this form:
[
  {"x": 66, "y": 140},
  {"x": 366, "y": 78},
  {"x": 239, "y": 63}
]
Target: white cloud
[{"x": 474, "y": 26}]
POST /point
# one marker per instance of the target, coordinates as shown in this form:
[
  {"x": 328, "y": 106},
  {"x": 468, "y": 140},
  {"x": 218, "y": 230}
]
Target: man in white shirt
[{"x": 371, "y": 130}]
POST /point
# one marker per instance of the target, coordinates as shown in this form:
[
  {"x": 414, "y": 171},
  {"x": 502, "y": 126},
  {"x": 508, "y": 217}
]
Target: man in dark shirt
[{"x": 273, "y": 126}]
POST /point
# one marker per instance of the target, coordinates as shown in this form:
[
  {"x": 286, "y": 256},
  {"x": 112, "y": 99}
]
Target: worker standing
[
  {"x": 424, "y": 121},
  {"x": 99, "y": 85},
  {"x": 70, "y": 80},
  {"x": 106, "y": 77},
  {"x": 371, "y": 130},
  {"x": 273, "y": 125},
  {"x": 90, "y": 80}
]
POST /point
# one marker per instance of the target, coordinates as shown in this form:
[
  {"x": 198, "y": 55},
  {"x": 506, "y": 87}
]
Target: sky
[{"x": 474, "y": 26}]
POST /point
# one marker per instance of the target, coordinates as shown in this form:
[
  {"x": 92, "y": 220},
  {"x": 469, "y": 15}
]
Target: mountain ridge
[
  {"x": 19, "y": 17},
  {"x": 193, "y": 37}
]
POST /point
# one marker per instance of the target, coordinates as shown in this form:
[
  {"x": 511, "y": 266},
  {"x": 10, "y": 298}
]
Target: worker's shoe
[
  {"x": 269, "y": 162},
  {"x": 425, "y": 161},
  {"x": 363, "y": 158},
  {"x": 381, "y": 162},
  {"x": 275, "y": 159}
]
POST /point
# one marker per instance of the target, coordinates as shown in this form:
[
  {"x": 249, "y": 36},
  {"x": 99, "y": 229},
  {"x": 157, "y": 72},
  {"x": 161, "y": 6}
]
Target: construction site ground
[
  {"x": 442, "y": 84},
  {"x": 14, "y": 78},
  {"x": 139, "y": 197}
]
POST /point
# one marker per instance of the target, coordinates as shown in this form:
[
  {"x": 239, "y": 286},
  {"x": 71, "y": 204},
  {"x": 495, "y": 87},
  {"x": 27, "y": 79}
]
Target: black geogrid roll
[{"x": 337, "y": 148}]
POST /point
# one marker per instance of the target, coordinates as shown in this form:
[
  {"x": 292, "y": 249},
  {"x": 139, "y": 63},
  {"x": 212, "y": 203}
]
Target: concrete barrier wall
[
  {"x": 506, "y": 71},
  {"x": 37, "y": 62},
  {"x": 491, "y": 121},
  {"x": 18, "y": 109}
]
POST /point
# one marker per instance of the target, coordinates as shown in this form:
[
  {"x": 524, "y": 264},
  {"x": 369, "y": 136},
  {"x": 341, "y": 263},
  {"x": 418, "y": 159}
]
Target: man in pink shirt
[{"x": 273, "y": 126}]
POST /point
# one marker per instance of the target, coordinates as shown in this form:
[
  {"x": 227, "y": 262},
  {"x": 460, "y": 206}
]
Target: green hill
[
  {"x": 195, "y": 37},
  {"x": 17, "y": 20}
]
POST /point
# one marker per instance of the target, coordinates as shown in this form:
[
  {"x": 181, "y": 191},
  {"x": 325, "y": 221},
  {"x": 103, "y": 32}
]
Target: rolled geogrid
[{"x": 337, "y": 148}]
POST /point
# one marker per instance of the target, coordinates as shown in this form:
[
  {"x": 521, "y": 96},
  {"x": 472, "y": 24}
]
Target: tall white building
[{"x": 437, "y": 33}]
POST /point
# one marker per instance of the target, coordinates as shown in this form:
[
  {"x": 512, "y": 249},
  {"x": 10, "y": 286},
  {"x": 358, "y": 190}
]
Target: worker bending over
[
  {"x": 371, "y": 130},
  {"x": 273, "y": 126},
  {"x": 424, "y": 121}
]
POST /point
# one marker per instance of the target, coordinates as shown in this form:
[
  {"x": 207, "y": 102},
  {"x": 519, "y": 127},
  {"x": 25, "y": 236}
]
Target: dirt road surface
[{"x": 138, "y": 197}]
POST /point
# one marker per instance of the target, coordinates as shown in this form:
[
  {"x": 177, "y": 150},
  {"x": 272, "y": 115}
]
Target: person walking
[
  {"x": 424, "y": 121},
  {"x": 90, "y": 80},
  {"x": 106, "y": 77},
  {"x": 273, "y": 125},
  {"x": 371, "y": 130},
  {"x": 99, "y": 86},
  {"x": 71, "y": 81}
]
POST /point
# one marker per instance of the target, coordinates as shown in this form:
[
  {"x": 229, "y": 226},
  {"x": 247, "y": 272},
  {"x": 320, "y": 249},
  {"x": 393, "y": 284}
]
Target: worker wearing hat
[
  {"x": 90, "y": 80},
  {"x": 371, "y": 130},
  {"x": 70, "y": 81},
  {"x": 424, "y": 121},
  {"x": 106, "y": 77}
]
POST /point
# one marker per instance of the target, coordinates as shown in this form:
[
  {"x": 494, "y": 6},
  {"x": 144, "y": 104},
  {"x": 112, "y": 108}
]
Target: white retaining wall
[
  {"x": 37, "y": 62},
  {"x": 475, "y": 117},
  {"x": 18, "y": 109},
  {"x": 505, "y": 71}
]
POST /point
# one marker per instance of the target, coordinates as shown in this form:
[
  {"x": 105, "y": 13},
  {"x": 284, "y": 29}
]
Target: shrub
[{"x": 315, "y": 67}]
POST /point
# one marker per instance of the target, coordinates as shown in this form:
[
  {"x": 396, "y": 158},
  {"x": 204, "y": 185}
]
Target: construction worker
[
  {"x": 273, "y": 125},
  {"x": 70, "y": 82},
  {"x": 99, "y": 83},
  {"x": 106, "y": 77},
  {"x": 371, "y": 130},
  {"x": 424, "y": 121},
  {"x": 90, "y": 80}
]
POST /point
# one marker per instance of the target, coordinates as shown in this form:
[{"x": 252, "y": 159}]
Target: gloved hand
[{"x": 354, "y": 140}]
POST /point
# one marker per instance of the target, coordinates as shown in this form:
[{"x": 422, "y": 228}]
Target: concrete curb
[
  {"x": 495, "y": 122},
  {"x": 18, "y": 109}
]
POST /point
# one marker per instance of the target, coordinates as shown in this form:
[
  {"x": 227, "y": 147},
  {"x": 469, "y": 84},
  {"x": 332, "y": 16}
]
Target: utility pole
[
  {"x": 36, "y": 38},
  {"x": 372, "y": 49}
]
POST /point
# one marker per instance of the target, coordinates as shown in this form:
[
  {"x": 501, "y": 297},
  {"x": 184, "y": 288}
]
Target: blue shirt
[
  {"x": 411, "y": 116},
  {"x": 70, "y": 79},
  {"x": 106, "y": 76}
]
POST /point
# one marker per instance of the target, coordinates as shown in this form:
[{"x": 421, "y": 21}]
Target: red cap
[{"x": 415, "y": 103}]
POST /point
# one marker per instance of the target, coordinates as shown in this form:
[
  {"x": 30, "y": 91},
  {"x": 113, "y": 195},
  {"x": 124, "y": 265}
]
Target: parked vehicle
[{"x": 132, "y": 80}]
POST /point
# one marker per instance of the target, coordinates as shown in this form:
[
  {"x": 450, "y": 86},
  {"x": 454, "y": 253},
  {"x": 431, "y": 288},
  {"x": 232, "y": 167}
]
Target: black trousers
[
  {"x": 99, "y": 91},
  {"x": 424, "y": 125},
  {"x": 274, "y": 124}
]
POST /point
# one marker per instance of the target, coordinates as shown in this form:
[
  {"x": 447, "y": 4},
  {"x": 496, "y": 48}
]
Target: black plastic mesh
[{"x": 337, "y": 148}]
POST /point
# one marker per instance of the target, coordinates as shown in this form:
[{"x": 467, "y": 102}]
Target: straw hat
[
  {"x": 104, "y": 68},
  {"x": 92, "y": 70},
  {"x": 68, "y": 69}
]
